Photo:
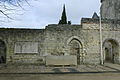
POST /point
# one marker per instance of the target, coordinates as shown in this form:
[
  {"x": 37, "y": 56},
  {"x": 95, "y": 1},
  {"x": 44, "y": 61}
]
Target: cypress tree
[{"x": 63, "y": 17}]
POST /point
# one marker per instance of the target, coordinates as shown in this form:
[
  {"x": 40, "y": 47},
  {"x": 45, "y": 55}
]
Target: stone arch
[
  {"x": 74, "y": 37},
  {"x": 111, "y": 51},
  {"x": 75, "y": 48},
  {"x": 2, "y": 52}
]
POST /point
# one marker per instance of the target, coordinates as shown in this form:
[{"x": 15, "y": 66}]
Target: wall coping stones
[
  {"x": 91, "y": 20},
  {"x": 62, "y": 26}
]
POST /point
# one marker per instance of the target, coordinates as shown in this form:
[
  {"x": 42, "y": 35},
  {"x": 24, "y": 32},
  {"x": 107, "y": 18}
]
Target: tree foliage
[
  {"x": 63, "y": 17},
  {"x": 69, "y": 22}
]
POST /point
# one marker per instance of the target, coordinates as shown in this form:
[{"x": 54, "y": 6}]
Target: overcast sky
[{"x": 44, "y": 12}]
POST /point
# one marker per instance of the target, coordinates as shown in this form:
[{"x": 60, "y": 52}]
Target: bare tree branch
[
  {"x": 5, "y": 14},
  {"x": 8, "y": 6}
]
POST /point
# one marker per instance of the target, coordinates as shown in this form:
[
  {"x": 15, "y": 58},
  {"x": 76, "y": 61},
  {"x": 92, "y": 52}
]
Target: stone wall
[
  {"x": 110, "y": 9},
  {"x": 110, "y": 31},
  {"x": 11, "y": 36},
  {"x": 59, "y": 36},
  {"x": 55, "y": 40}
]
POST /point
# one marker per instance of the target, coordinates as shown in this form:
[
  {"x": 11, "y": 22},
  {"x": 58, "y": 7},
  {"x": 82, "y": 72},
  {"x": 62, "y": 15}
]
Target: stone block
[{"x": 61, "y": 60}]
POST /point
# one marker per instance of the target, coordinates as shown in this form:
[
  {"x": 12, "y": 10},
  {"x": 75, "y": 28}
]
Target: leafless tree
[{"x": 7, "y": 7}]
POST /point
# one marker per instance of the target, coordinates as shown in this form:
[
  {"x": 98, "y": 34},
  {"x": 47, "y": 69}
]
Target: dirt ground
[{"x": 90, "y": 76}]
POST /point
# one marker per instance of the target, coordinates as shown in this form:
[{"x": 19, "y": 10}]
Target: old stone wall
[
  {"x": 81, "y": 41},
  {"x": 110, "y": 9},
  {"x": 12, "y": 36},
  {"x": 110, "y": 31},
  {"x": 59, "y": 36}
]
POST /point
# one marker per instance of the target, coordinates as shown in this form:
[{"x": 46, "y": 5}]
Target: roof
[{"x": 95, "y": 16}]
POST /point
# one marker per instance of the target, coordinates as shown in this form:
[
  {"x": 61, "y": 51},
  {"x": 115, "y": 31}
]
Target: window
[{"x": 26, "y": 47}]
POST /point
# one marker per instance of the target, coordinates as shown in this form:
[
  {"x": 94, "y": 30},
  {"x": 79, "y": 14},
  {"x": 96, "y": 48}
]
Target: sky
[{"x": 40, "y": 13}]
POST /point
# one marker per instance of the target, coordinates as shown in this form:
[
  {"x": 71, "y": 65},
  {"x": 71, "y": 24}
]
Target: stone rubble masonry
[
  {"x": 54, "y": 40},
  {"x": 110, "y": 9}
]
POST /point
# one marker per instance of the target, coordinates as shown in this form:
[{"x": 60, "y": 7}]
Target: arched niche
[
  {"x": 2, "y": 52},
  {"x": 111, "y": 51}
]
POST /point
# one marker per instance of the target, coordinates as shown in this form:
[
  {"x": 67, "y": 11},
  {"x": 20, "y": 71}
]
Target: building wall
[
  {"x": 11, "y": 36},
  {"x": 55, "y": 40},
  {"x": 110, "y": 31},
  {"x": 110, "y": 9},
  {"x": 59, "y": 36}
]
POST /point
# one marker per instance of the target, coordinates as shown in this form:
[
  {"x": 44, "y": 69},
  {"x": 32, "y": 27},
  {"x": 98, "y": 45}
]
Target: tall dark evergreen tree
[{"x": 63, "y": 17}]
